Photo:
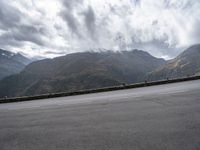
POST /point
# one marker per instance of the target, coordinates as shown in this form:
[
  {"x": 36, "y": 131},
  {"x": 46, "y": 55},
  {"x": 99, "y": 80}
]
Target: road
[{"x": 164, "y": 117}]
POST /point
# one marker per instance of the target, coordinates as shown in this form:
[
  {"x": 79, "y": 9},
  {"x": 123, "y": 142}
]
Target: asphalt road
[{"x": 164, "y": 117}]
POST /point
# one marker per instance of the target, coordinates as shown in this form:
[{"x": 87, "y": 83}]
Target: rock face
[
  {"x": 80, "y": 71},
  {"x": 11, "y": 63},
  {"x": 186, "y": 64}
]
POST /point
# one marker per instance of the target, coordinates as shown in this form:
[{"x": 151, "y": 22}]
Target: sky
[{"x": 51, "y": 28}]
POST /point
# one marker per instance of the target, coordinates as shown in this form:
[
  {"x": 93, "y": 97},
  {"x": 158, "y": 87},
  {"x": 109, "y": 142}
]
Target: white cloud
[{"x": 51, "y": 28}]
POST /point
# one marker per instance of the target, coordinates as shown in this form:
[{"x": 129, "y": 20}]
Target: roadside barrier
[{"x": 106, "y": 89}]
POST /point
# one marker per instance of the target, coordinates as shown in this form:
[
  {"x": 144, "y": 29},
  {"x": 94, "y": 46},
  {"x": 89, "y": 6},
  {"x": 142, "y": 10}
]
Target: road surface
[{"x": 164, "y": 117}]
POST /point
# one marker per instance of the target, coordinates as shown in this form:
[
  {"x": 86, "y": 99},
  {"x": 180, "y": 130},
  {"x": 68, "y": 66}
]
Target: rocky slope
[
  {"x": 186, "y": 64},
  {"x": 80, "y": 71},
  {"x": 11, "y": 63}
]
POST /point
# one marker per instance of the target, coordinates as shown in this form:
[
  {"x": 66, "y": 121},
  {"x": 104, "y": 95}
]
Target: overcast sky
[{"x": 51, "y": 28}]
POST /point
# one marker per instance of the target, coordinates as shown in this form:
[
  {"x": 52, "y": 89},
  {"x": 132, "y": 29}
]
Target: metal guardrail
[{"x": 121, "y": 87}]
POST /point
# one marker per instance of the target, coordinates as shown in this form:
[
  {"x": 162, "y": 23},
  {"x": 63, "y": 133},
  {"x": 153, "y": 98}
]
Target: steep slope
[
  {"x": 187, "y": 63},
  {"x": 11, "y": 63},
  {"x": 80, "y": 71}
]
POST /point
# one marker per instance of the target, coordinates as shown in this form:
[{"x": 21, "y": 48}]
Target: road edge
[{"x": 106, "y": 89}]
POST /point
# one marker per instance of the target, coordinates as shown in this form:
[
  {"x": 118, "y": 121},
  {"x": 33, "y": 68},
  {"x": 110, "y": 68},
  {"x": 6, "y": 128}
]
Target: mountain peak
[
  {"x": 11, "y": 63},
  {"x": 5, "y": 53}
]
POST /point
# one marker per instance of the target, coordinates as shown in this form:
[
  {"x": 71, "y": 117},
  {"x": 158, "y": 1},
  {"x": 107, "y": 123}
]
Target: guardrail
[{"x": 121, "y": 87}]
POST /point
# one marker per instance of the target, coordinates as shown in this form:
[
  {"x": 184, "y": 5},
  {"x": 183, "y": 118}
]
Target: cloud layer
[{"x": 52, "y": 28}]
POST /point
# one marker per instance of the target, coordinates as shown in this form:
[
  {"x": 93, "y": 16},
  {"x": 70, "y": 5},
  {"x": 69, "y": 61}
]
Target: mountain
[
  {"x": 79, "y": 71},
  {"x": 187, "y": 63},
  {"x": 11, "y": 63}
]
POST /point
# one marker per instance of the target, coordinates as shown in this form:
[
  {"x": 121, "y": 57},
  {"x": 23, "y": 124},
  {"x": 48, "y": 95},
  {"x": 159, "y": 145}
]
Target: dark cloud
[
  {"x": 71, "y": 21},
  {"x": 29, "y": 34},
  {"x": 23, "y": 33},
  {"x": 90, "y": 20},
  {"x": 70, "y": 4},
  {"x": 17, "y": 32},
  {"x": 7, "y": 40},
  {"x": 68, "y": 16},
  {"x": 9, "y": 16}
]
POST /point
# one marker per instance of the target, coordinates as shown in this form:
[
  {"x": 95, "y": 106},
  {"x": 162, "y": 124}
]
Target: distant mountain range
[
  {"x": 11, "y": 63},
  {"x": 80, "y": 71},
  {"x": 90, "y": 70},
  {"x": 186, "y": 64}
]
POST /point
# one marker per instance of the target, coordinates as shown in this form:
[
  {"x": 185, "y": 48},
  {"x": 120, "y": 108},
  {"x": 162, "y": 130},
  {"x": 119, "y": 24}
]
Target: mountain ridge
[
  {"x": 11, "y": 63},
  {"x": 90, "y": 70},
  {"x": 80, "y": 71},
  {"x": 185, "y": 64}
]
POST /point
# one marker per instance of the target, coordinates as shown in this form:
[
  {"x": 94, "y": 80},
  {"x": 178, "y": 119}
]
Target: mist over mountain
[
  {"x": 186, "y": 64},
  {"x": 11, "y": 63},
  {"x": 79, "y": 71}
]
